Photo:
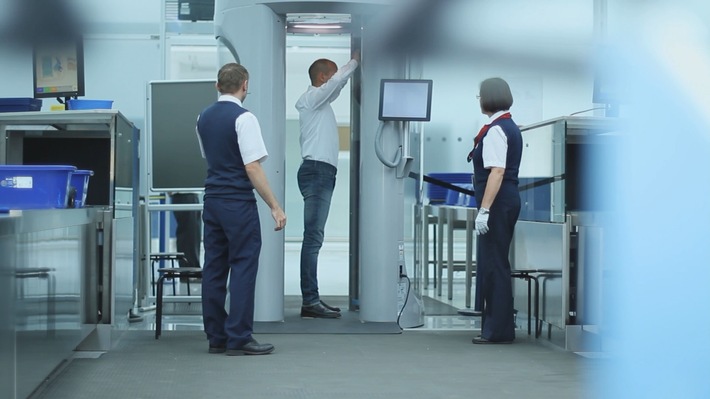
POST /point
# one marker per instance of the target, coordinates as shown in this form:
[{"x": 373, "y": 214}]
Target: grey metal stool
[
  {"x": 161, "y": 258},
  {"x": 171, "y": 272}
]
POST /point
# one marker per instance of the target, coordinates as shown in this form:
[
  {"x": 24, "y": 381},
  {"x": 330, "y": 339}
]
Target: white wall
[
  {"x": 124, "y": 12},
  {"x": 123, "y": 51},
  {"x": 542, "y": 49},
  {"x": 538, "y": 95}
]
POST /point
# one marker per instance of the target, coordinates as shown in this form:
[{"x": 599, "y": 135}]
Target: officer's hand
[
  {"x": 482, "y": 221},
  {"x": 279, "y": 217}
]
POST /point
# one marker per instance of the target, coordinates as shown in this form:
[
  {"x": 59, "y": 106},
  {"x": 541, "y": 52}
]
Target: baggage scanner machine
[{"x": 560, "y": 235}]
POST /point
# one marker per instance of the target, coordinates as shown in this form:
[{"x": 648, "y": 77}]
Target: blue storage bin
[
  {"x": 465, "y": 199},
  {"x": 470, "y": 201},
  {"x": 90, "y": 104},
  {"x": 80, "y": 183},
  {"x": 457, "y": 198},
  {"x": 34, "y": 186},
  {"x": 437, "y": 193},
  {"x": 20, "y": 104},
  {"x": 452, "y": 197}
]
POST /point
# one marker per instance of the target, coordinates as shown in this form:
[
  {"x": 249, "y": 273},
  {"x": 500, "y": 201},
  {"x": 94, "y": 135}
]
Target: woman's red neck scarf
[{"x": 483, "y": 131}]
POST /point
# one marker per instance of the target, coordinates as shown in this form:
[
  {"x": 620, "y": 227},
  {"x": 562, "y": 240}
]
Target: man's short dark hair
[
  {"x": 495, "y": 95},
  {"x": 231, "y": 77},
  {"x": 322, "y": 65}
]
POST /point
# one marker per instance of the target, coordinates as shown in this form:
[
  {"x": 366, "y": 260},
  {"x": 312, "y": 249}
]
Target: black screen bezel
[
  {"x": 427, "y": 118},
  {"x": 79, "y": 46}
]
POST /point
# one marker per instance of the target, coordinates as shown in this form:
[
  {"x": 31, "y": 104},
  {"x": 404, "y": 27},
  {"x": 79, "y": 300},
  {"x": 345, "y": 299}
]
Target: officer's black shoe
[{"x": 252, "y": 348}]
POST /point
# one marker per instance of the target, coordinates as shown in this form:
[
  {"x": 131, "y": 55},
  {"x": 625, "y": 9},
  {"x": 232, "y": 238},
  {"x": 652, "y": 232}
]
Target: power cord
[
  {"x": 406, "y": 295},
  {"x": 379, "y": 151}
]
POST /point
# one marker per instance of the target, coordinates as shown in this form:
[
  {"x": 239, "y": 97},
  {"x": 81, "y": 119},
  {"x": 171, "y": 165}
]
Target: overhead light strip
[{"x": 316, "y": 26}]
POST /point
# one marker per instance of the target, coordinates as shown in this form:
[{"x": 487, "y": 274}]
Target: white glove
[{"x": 482, "y": 221}]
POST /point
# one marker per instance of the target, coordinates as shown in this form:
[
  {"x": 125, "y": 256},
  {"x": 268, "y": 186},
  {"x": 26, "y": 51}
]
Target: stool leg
[
  {"x": 172, "y": 263},
  {"x": 538, "y": 323},
  {"x": 529, "y": 313},
  {"x": 450, "y": 254},
  {"x": 469, "y": 256},
  {"x": 159, "y": 307},
  {"x": 425, "y": 248},
  {"x": 434, "y": 256},
  {"x": 152, "y": 275},
  {"x": 440, "y": 251}
]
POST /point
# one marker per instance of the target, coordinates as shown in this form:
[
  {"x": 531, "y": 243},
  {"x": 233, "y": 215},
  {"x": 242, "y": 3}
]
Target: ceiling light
[{"x": 316, "y": 26}]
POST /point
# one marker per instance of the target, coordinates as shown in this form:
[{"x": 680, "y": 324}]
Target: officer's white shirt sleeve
[
  {"x": 495, "y": 148},
  {"x": 199, "y": 139},
  {"x": 251, "y": 143}
]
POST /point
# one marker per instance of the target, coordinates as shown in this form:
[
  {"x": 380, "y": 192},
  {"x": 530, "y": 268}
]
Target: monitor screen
[
  {"x": 59, "y": 69},
  {"x": 405, "y": 100}
]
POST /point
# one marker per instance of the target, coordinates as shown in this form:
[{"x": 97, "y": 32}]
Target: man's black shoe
[
  {"x": 333, "y": 308},
  {"x": 217, "y": 349},
  {"x": 252, "y": 348},
  {"x": 318, "y": 311}
]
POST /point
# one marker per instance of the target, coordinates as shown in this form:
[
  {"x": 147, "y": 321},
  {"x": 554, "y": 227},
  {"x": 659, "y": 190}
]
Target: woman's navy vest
[{"x": 512, "y": 166}]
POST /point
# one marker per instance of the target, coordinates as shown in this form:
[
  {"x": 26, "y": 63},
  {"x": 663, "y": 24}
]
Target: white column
[{"x": 257, "y": 36}]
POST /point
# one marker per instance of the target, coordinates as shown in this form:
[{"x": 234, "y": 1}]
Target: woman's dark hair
[{"x": 495, "y": 95}]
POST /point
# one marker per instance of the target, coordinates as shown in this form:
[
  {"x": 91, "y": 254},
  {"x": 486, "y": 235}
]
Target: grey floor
[{"x": 436, "y": 360}]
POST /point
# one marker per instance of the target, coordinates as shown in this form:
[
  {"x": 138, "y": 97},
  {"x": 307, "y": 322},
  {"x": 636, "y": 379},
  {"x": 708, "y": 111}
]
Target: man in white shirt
[{"x": 316, "y": 176}]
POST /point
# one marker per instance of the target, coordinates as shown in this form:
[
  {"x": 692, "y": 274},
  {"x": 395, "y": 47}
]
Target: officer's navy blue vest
[
  {"x": 226, "y": 175},
  {"x": 515, "y": 151}
]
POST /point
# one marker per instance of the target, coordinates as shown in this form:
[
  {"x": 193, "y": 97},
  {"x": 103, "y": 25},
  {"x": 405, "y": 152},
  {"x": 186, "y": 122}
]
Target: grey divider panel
[{"x": 176, "y": 162}]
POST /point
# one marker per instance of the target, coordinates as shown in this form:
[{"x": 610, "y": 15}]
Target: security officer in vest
[
  {"x": 496, "y": 159},
  {"x": 230, "y": 139}
]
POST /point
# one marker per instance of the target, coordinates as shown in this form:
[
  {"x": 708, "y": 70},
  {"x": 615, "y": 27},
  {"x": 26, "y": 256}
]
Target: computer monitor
[
  {"x": 405, "y": 100},
  {"x": 59, "y": 69}
]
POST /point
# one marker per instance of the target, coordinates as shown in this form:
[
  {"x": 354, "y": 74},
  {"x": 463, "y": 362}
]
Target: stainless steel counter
[{"x": 48, "y": 268}]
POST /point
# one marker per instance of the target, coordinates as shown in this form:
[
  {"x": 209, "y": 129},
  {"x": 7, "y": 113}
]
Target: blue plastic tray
[
  {"x": 34, "y": 186},
  {"x": 20, "y": 104}
]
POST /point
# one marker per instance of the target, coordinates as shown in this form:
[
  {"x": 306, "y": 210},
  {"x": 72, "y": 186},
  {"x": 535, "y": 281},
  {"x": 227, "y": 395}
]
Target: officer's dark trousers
[
  {"x": 232, "y": 242},
  {"x": 494, "y": 292}
]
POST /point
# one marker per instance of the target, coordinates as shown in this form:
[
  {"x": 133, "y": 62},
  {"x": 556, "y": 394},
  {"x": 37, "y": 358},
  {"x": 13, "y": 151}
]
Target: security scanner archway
[{"x": 253, "y": 33}]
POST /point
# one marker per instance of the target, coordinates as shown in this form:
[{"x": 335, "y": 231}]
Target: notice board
[{"x": 176, "y": 163}]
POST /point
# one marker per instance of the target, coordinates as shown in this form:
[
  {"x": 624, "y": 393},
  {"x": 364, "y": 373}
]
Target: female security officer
[{"x": 496, "y": 160}]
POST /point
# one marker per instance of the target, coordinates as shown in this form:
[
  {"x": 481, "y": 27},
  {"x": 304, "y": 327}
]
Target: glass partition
[{"x": 542, "y": 175}]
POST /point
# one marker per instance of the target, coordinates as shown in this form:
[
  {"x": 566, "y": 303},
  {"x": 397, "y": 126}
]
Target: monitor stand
[{"x": 65, "y": 101}]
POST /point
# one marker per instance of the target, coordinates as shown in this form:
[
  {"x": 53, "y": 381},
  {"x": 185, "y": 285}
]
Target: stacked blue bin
[
  {"x": 80, "y": 184},
  {"x": 457, "y": 198},
  {"x": 34, "y": 186},
  {"x": 20, "y": 104},
  {"x": 438, "y": 194}
]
